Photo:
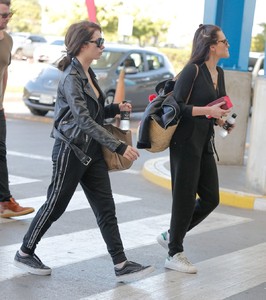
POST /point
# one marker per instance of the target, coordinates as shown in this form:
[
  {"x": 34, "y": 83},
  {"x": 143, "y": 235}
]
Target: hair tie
[{"x": 69, "y": 54}]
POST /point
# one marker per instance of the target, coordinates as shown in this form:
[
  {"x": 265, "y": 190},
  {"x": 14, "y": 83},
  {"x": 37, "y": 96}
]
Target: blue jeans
[{"x": 4, "y": 186}]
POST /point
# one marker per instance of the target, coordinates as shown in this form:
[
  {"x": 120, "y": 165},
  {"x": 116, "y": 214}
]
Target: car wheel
[
  {"x": 38, "y": 112},
  {"x": 18, "y": 54},
  {"x": 110, "y": 96}
]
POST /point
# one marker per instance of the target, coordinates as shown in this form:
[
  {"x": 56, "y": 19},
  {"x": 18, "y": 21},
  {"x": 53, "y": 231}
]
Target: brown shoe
[{"x": 11, "y": 208}]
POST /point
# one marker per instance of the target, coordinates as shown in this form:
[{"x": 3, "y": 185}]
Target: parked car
[
  {"x": 25, "y": 43},
  {"x": 144, "y": 68},
  {"x": 49, "y": 52},
  {"x": 258, "y": 70},
  {"x": 253, "y": 57}
]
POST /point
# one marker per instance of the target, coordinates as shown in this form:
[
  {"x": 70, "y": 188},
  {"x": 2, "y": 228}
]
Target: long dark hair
[
  {"x": 77, "y": 35},
  {"x": 204, "y": 37}
]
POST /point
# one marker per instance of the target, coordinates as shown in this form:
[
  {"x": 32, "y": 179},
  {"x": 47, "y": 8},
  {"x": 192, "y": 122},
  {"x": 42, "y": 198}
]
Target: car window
[
  {"x": 154, "y": 61},
  {"x": 134, "y": 60},
  {"x": 58, "y": 42},
  {"x": 37, "y": 39},
  {"x": 261, "y": 70},
  {"x": 251, "y": 63}
]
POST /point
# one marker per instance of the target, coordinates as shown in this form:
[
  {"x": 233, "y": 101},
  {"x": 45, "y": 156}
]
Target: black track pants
[
  {"x": 68, "y": 171},
  {"x": 193, "y": 172}
]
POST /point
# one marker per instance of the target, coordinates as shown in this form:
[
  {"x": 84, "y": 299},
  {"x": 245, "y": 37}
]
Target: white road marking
[
  {"x": 29, "y": 155},
  {"x": 75, "y": 247},
  {"x": 218, "y": 278},
  {"x": 14, "y": 180},
  {"x": 48, "y": 158},
  {"x": 78, "y": 201}
]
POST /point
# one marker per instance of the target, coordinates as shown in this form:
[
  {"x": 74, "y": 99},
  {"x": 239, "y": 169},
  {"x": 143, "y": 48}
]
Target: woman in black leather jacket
[{"x": 77, "y": 154}]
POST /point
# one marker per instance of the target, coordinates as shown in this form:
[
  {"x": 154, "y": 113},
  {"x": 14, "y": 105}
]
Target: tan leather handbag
[{"x": 115, "y": 161}]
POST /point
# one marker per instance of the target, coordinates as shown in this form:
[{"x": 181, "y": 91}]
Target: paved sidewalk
[{"x": 233, "y": 188}]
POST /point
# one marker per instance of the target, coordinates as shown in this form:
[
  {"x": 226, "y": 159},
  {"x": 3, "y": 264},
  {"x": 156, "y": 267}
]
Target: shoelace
[
  {"x": 37, "y": 259},
  {"x": 13, "y": 200},
  {"x": 184, "y": 259}
]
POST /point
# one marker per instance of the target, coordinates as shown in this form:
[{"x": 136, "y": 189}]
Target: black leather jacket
[{"x": 79, "y": 115}]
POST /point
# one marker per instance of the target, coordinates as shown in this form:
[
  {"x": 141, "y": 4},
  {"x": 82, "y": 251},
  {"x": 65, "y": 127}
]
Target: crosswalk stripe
[
  {"x": 14, "y": 180},
  {"x": 78, "y": 201},
  {"x": 89, "y": 244},
  {"x": 231, "y": 274},
  {"x": 29, "y": 155}
]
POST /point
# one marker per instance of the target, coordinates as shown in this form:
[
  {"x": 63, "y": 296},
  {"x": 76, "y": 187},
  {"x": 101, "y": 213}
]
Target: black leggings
[{"x": 193, "y": 172}]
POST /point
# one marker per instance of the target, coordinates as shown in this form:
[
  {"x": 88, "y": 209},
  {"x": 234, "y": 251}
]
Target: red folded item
[{"x": 228, "y": 104}]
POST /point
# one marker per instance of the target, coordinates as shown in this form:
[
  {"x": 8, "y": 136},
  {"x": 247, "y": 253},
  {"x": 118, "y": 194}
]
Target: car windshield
[
  {"x": 58, "y": 42},
  {"x": 107, "y": 59}
]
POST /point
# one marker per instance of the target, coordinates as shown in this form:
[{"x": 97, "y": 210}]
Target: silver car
[
  {"x": 25, "y": 43},
  {"x": 144, "y": 68}
]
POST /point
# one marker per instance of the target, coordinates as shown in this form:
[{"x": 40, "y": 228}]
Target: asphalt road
[{"x": 228, "y": 248}]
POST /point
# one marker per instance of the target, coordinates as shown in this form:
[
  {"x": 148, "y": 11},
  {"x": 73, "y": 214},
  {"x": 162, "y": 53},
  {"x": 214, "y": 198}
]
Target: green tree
[
  {"x": 258, "y": 42},
  {"x": 27, "y": 16},
  {"x": 58, "y": 21},
  {"x": 107, "y": 16},
  {"x": 149, "y": 32}
]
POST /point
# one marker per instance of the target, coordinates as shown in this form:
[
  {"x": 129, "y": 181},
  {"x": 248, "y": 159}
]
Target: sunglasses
[
  {"x": 99, "y": 42},
  {"x": 6, "y": 15},
  {"x": 225, "y": 41}
]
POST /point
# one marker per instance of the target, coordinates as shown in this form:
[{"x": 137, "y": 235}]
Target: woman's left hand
[
  {"x": 125, "y": 106},
  {"x": 221, "y": 122}
]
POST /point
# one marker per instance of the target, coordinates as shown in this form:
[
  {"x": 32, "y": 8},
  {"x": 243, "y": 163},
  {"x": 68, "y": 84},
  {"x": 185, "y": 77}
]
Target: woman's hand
[
  {"x": 221, "y": 122},
  {"x": 131, "y": 153},
  {"x": 217, "y": 112},
  {"x": 126, "y": 106}
]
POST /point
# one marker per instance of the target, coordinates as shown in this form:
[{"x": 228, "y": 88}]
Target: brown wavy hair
[{"x": 77, "y": 35}]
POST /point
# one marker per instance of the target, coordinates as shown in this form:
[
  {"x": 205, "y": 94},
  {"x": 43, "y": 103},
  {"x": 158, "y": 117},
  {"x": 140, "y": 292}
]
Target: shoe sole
[
  {"x": 10, "y": 213},
  {"x": 169, "y": 265},
  {"x": 31, "y": 270},
  {"x": 162, "y": 242},
  {"x": 135, "y": 276}
]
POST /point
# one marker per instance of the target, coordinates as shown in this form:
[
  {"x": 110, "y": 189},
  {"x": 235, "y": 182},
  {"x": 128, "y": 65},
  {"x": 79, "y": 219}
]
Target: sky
[{"x": 259, "y": 17}]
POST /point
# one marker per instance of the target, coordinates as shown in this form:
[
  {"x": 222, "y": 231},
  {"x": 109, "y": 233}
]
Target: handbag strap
[
  {"x": 197, "y": 72},
  {"x": 176, "y": 77}
]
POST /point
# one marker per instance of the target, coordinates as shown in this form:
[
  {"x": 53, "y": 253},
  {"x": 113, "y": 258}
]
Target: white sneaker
[
  {"x": 163, "y": 239},
  {"x": 180, "y": 263}
]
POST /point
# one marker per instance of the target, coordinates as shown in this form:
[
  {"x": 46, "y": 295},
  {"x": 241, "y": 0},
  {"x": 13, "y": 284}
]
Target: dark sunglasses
[
  {"x": 225, "y": 41},
  {"x": 6, "y": 15},
  {"x": 99, "y": 42}
]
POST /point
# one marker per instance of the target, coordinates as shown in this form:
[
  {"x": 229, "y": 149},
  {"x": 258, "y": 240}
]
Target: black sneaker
[
  {"x": 132, "y": 271},
  {"x": 32, "y": 264}
]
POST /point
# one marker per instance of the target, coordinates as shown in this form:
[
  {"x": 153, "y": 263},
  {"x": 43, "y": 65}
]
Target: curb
[{"x": 155, "y": 171}]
